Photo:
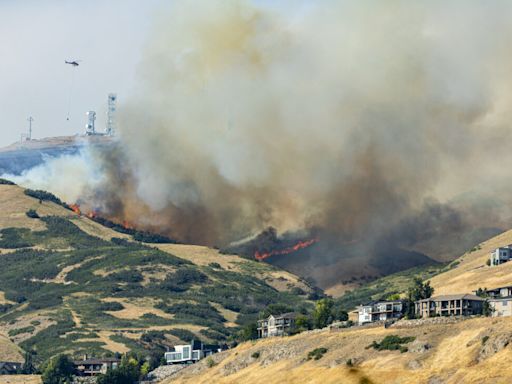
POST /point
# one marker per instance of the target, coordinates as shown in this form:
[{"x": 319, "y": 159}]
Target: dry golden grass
[
  {"x": 472, "y": 272},
  {"x": 134, "y": 309},
  {"x": 14, "y": 203},
  {"x": 94, "y": 229},
  {"x": 8, "y": 350},
  {"x": 20, "y": 379},
  {"x": 200, "y": 255},
  {"x": 3, "y": 300},
  {"x": 452, "y": 358},
  {"x": 229, "y": 315}
]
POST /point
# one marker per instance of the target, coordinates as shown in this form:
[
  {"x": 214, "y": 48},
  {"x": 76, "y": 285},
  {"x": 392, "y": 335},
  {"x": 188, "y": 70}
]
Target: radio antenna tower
[
  {"x": 30, "y": 120},
  {"x": 111, "y": 115}
]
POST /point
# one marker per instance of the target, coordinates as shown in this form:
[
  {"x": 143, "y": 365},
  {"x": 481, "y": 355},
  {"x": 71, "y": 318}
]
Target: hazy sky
[{"x": 37, "y": 36}]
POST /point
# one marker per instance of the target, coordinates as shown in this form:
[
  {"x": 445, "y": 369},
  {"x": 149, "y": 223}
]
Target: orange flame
[
  {"x": 127, "y": 225},
  {"x": 300, "y": 245},
  {"x": 75, "y": 208},
  {"x": 91, "y": 215}
]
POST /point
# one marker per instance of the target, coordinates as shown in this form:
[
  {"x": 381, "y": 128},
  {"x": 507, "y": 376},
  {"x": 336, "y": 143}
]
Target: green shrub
[
  {"x": 183, "y": 334},
  {"x": 255, "y": 355},
  {"x": 392, "y": 343},
  {"x": 484, "y": 339},
  {"x": 43, "y": 196},
  {"x": 317, "y": 353},
  {"x": 19, "y": 331},
  {"x": 215, "y": 265},
  {"x": 32, "y": 214},
  {"x": 111, "y": 306},
  {"x": 210, "y": 363},
  {"x": 6, "y": 182},
  {"x": 350, "y": 363}
]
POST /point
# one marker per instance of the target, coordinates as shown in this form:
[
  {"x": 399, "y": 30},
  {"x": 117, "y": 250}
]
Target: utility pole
[{"x": 30, "y": 120}]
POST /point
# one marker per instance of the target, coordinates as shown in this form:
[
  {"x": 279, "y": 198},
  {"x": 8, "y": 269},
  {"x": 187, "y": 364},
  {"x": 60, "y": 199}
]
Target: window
[{"x": 186, "y": 352}]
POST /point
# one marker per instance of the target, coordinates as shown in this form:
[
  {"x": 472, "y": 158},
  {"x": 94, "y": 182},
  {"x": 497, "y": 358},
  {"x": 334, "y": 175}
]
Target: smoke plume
[{"x": 366, "y": 121}]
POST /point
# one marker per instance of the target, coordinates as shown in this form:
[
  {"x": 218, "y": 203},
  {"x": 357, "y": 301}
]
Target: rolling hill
[
  {"x": 450, "y": 352},
  {"x": 69, "y": 284},
  {"x": 444, "y": 350}
]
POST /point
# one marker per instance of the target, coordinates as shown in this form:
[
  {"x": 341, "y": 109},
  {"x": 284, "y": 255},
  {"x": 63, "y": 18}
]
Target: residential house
[
  {"x": 500, "y": 301},
  {"x": 190, "y": 353},
  {"x": 501, "y": 255},
  {"x": 9, "y": 368},
  {"x": 450, "y": 305},
  {"x": 277, "y": 325},
  {"x": 93, "y": 367},
  {"x": 380, "y": 311}
]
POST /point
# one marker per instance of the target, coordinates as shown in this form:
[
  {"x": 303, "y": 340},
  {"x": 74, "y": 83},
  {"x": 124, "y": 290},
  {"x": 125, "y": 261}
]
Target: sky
[{"x": 37, "y": 36}]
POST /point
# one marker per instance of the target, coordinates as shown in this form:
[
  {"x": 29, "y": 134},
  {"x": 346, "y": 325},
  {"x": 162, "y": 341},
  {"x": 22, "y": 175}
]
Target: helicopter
[{"x": 74, "y": 63}]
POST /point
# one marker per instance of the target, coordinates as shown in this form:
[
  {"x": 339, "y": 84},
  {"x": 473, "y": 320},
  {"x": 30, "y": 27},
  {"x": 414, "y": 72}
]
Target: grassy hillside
[
  {"x": 382, "y": 288},
  {"x": 68, "y": 284},
  {"x": 469, "y": 272},
  {"x": 471, "y": 351}
]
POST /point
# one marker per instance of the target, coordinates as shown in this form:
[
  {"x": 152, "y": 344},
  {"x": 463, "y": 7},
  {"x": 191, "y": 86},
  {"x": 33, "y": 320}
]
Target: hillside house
[
  {"x": 190, "y": 353},
  {"x": 450, "y": 305},
  {"x": 94, "y": 367},
  {"x": 278, "y": 325},
  {"x": 501, "y": 255},
  {"x": 379, "y": 311},
  {"x": 500, "y": 301},
  {"x": 9, "y": 368}
]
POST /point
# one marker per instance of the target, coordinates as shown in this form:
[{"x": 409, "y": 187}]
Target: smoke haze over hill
[{"x": 363, "y": 121}]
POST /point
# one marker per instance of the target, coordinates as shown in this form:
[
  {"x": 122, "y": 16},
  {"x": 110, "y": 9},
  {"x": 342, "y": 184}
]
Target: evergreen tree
[{"x": 59, "y": 370}]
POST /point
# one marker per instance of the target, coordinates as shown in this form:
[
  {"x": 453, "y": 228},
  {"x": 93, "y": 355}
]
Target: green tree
[
  {"x": 59, "y": 370},
  {"x": 249, "y": 332},
  {"x": 323, "y": 313},
  {"x": 482, "y": 292},
  {"x": 121, "y": 375},
  {"x": 28, "y": 367},
  {"x": 302, "y": 323},
  {"x": 128, "y": 372},
  {"x": 417, "y": 291},
  {"x": 341, "y": 314},
  {"x": 487, "y": 309}
]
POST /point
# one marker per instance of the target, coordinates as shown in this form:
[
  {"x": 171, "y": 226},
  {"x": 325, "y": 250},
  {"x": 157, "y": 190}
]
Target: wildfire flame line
[
  {"x": 300, "y": 245},
  {"x": 76, "y": 208}
]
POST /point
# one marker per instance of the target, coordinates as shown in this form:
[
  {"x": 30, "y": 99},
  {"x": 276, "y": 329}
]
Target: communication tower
[
  {"x": 111, "y": 115},
  {"x": 90, "y": 128}
]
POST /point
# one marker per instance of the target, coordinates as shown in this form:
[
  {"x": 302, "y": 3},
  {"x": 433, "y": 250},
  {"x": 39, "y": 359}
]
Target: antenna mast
[
  {"x": 111, "y": 115},
  {"x": 30, "y": 120}
]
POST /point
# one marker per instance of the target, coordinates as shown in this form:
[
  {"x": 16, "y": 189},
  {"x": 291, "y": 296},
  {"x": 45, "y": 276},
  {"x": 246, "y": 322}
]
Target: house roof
[
  {"x": 9, "y": 365},
  {"x": 460, "y": 296},
  {"x": 501, "y": 298},
  {"x": 97, "y": 361},
  {"x": 288, "y": 315},
  {"x": 499, "y": 288},
  {"x": 381, "y": 302}
]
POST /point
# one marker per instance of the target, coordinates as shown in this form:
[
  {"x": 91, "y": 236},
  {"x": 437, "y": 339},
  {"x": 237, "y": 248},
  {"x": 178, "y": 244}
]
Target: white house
[
  {"x": 501, "y": 255},
  {"x": 276, "y": 325},
  {"x": 500, "y": 300},
  {"x": 190, "y": 353},
  {"x": 379, "y": 311}
]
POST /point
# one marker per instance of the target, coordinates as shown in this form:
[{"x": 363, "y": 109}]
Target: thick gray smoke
[{"x": 354, "y": 118}]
